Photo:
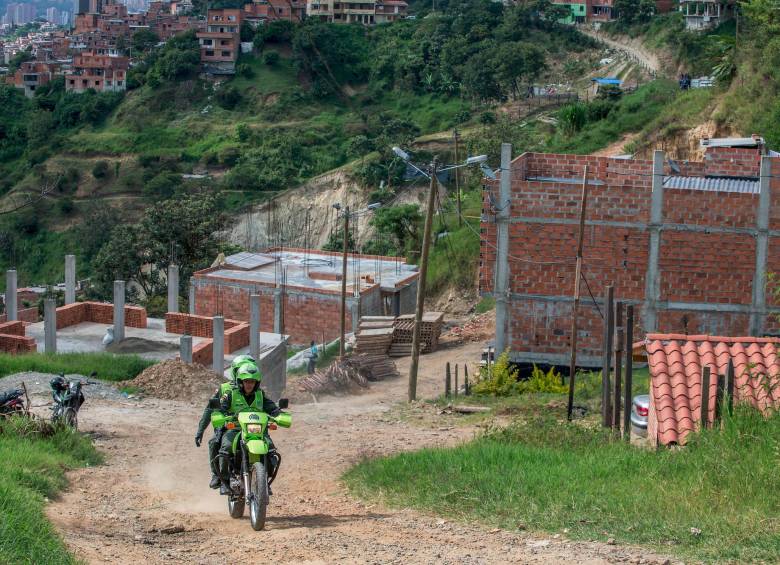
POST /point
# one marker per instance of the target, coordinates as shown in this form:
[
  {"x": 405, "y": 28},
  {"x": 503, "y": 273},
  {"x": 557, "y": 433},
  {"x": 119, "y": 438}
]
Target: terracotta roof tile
[{"x": 676, "y": 367}]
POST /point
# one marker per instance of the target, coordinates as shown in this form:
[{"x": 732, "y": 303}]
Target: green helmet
[
  {"x": 239, "y": 361},
  {"x": 248, "y": 371}
]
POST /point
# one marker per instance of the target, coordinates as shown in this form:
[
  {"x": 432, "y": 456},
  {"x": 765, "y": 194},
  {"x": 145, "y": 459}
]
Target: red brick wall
[
  {"x": 694, "y": 266},
  {"x": 23, "y": 315},
  {"x": 99, "y": 313},
  {"x": 306, "y": 317},
  {"x": 203, "y": 353},
  {"x": 12, "y": 328},
  {"x": 13, "y": 340},
  {"x": 236, "y": 331},
  {"x": 731, "y": 161}
]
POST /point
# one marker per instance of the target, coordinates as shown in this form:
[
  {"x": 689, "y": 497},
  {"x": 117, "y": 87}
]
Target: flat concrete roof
[{"x": 312, "y": 270}]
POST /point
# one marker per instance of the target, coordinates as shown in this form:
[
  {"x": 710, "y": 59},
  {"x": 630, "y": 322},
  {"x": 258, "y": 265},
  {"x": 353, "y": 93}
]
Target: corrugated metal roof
[
  {"x": 732, "y": 142},
  {"x": 747, "y": 186}
]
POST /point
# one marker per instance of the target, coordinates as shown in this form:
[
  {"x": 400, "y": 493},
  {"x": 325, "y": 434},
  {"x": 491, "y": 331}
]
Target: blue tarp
[{"x": 609, "y": 80}]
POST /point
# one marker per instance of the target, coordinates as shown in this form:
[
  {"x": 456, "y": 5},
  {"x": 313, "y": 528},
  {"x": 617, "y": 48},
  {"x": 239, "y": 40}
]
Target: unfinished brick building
[
  {"x": 301, "y": 290},
  {"x": 689, "y": 244}
]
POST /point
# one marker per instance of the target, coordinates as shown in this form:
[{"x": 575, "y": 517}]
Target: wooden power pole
[
  {"x": 421, "y": 283},
  {"x": 576, "y": 307},
  {"x": 344, "y": 284},
  {"x": 457, "y": 180}
]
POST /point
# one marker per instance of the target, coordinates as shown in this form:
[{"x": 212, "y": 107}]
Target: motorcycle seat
[{"x": 10, "y": 395}]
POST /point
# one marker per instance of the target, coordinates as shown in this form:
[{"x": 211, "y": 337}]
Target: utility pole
[
  {"x": 502, "y": 247},
  {"x": 344, "y": 284},
  {"x": 576, "y": 307},
  {"x": 457, "y": 180},
  {"x": 421, "y": 282}
]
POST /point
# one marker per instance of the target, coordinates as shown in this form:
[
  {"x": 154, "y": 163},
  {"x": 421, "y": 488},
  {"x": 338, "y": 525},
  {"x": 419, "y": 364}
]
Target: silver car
[{"x": 639, "y": 409}]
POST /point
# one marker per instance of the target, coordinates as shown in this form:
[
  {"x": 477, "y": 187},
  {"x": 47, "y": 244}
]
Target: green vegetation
[
  {"x": 33, "y": 460},
  {"x": 486, "y": 304},
  {"x": 715, "y": 500},
  {"x": 105, "y": 366}
]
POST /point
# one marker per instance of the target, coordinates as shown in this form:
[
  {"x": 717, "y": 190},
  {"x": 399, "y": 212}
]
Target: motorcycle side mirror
[
  {"x": 214, "y": 403},
  {"x": 283, "y": 403}
]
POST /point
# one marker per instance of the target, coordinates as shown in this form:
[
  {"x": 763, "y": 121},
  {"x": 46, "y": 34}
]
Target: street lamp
[
  {"x": 346, "y": 214},
  {"x": 430, "y": 172}
]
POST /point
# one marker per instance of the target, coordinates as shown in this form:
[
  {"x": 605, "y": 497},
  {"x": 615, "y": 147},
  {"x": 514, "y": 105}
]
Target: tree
[
  {"x": 516, "y": 61},
  {"x": 100, "y": 170},
  {"x": 143, "y": 40},
  {"x": 271, "y": 58},
  {"x": 400, "y": 224}
]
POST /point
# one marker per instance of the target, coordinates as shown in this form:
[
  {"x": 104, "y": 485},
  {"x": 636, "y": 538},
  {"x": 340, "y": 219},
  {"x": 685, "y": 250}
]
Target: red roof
[{"x": 676, "y": 363}]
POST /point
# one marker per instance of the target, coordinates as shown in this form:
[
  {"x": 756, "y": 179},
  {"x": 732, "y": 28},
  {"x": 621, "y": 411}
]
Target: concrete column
[
  {"x": 50, "y": 325},
  {"x": 277, "y": 311},
  {"x": 254, "y": 325},
  {"x": 10, "y": 295},
  {"x": 173, "y": 288},
  {"x": 70, "y": 279},
  {"x": 185, "y": 348},
  {"x": 354, "y": 310},
  {"x": 652, "y": 276},
  {"x": 218, "y": 331},
  {"x": 192, "y": 298},
  {"x": 501, "y": 285},
  {"x": 119, "y": 311},
  {"x": 758, "y": 313}
]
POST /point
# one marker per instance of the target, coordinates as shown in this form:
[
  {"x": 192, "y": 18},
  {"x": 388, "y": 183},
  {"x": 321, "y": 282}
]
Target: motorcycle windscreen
[{"x": 257, "y": 447}]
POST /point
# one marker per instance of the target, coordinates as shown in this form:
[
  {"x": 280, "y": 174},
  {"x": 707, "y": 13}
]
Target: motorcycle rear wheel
[{"x": 259, "y": 501}]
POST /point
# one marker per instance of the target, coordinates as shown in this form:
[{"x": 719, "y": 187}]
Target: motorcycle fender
[{"x": 257, "y": 447}]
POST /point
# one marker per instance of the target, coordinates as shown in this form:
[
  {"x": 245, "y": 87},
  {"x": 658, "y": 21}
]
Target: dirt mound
[
  {"x": 140, "y": 345},
  {"x": 175, "y": 380},
  {"x": 479, "y": 328}
]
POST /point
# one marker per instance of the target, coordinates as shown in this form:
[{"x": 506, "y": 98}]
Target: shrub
[
  {"x": 573, "y": 117},
  {"x": 244, "y": 70},
  {"x": 487, "y": 118},
  {"x": 228, "y": 97},
  {"x": 66, "y": 205},
  {"x": 100, "y": 170},
  {"x": 542, "y": 382},
  {"x": 502, "y": 380},
  {"x": 271, "y": 58}
]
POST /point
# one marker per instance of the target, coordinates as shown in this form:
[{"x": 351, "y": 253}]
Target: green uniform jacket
[
  {"x": 235, "y": 401},
  {"x": 205, "y": 419}
]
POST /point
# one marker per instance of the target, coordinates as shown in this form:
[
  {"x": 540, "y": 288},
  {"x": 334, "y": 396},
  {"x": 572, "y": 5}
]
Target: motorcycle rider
[
  {"x": 244, "y": 395},
  {"x": 205, "y": 419}
]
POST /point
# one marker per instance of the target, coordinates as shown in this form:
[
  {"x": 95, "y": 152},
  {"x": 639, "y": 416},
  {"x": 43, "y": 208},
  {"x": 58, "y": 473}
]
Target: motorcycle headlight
[{"x": 254, "y": 429}]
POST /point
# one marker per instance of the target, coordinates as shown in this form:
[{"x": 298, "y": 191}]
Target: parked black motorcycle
[
  {"x": 68, "y": 398},
  {"x": 12, "y": 402}
]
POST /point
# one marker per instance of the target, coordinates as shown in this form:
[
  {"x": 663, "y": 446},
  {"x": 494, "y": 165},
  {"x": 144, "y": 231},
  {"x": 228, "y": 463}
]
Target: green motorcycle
[{"x": 254, "y": 463}]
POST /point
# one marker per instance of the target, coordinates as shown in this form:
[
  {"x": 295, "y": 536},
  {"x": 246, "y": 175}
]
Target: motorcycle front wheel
[
  {"x": 70, "y": 418},
  {"x": 259, "y": 501}
]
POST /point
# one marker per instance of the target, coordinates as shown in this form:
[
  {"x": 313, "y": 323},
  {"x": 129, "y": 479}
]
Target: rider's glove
[{"x": 198, "y": 439}]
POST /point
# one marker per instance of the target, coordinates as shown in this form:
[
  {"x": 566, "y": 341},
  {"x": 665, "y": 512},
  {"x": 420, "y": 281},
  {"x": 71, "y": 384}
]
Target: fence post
[
  {"x": 705, "y": 396},
  {"x": 730, "y": 386},
  {"x": 466, "y": 386},
  {"x": 456, "y": 379},
  {"x": 719, "y": 397},
  {"x": 606, "y": 356},
  {"x": 447, "y": 381},
  {"x": 618, "y": 364},
  {"x": 628, "y": 399}
]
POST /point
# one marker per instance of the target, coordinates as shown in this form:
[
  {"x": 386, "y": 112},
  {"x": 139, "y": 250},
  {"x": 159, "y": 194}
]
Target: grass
[
  {"x": 485, "y": 305},
  {"x": 106, "y": 366},
  {"x": 548, "y": 476},
  {"x": 326, "y": 357},
  {"x": 32, "y": 469}
]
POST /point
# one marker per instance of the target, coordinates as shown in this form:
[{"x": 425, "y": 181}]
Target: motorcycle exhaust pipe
[{"x": 247, "y": 492}]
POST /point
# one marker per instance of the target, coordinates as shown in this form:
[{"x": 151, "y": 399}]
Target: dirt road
[
  {"x": 155, "y": 478},
  {"x": 632, "y": 47}
]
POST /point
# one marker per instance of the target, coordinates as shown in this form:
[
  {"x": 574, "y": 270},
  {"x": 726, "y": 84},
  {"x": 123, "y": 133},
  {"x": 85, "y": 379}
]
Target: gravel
[{"x": 38, "y": 387}]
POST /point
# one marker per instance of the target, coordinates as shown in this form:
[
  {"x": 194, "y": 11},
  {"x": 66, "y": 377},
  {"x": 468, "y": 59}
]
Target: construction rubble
[
  {"x": 349, "y": 374},
  {"x": 176, "y": 380}
]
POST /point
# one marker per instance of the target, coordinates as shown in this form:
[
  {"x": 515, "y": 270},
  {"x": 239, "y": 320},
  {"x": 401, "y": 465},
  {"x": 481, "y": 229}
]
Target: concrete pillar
[
  {"x": 173, "y": 288},
  {"x": 278, "y": 311},
  {"x": 652, "y": 276},
  {"x": 501, "y": 288},
  {"x": 70, "y": 279},
  {"x": 354, "y": 310},
  {"x": 218, "y": 332},
  {"x": 50, "y": 325},
  {"x": 758, "y": 311},
  {"x": 254, "y": 325},
  {"x": 192, "y": 298},
  {"x": 119, "y": 311},
  {"x": 185, "y": 348},
  {"x": 10, "y": 295}
]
